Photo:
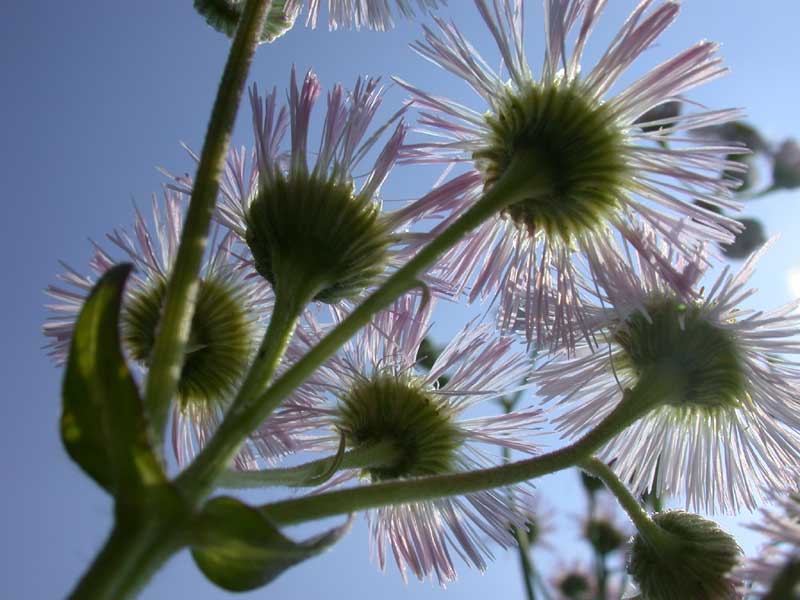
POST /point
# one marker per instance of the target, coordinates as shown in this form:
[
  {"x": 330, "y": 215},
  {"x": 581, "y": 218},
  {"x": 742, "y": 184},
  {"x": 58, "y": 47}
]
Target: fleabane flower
[
  {"x": 777, "y": 569},
  {"x": 320, "y": 226},
  {"x": 224, "y": 15},
  {"x": 596, "y": 169},
  {"x": 224, "y": 331},
  {"x": 374, "y": 393},
  {"x": 713, "y": 381}
]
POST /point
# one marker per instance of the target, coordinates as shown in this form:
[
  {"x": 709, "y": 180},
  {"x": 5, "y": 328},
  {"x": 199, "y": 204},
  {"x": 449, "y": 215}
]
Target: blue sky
[{"x": 96, "y": 94}]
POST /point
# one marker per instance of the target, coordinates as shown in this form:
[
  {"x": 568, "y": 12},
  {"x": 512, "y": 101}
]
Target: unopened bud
[
  {"x": 750, "y": 239},
  {"x": 786, "y": 166},
  {"x": 691, "y": 559}
]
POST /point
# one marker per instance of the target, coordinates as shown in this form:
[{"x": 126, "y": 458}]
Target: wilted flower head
[
  {"x": 312, "y": 225},
  {"x": 224, "y": 15},
  {"x": 779, "y": 563},
  {"x": 721, "y": 402},
  {"x": 224, "y": 330},
  {"x": 602, "y": 167},
  {"x": 372, "y": 392}
]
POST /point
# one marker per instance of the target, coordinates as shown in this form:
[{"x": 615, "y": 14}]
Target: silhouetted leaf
[
  {"x": 237, "y": 548},
  {"x": 102, "y": 424}
]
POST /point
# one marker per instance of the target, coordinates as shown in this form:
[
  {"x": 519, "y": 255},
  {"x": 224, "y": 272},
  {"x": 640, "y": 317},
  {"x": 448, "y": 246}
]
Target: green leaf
[
  {"x": 238, "y": 549},
  {"x": 102, "y": 424}
]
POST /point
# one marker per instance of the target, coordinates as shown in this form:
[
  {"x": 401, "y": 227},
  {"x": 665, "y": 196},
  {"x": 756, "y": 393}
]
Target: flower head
[
  {"x": 224, "y": 15},
  {"x": 603, "y": 169},
  {"x": 723, "y": 422},
  {"x": 373, "y": 392},
  {"x": 223, "y": 334},
  {"x": 313, "y": 224},
  {"x": 779, "y": 563}
]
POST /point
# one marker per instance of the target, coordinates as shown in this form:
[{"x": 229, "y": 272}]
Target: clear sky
[{"x": 96, "y": 94}]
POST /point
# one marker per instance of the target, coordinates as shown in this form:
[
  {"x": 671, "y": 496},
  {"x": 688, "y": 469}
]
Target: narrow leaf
[
  {"x": 102, "y": 424},
  {"x": 238, "y": 549}
]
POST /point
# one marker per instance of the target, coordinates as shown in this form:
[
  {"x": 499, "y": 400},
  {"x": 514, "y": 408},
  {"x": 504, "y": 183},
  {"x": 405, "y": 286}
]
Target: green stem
[
  {"x": 134, "y": 551},
  {"x": 381, "y": 454},
  {"x": 648, "y": 529},
  {"x": 173, "y": 331},
  {"x": 635, "y": 404},
  {"x": 517, "y": 183},
  {"x": 523, "y": 543}
]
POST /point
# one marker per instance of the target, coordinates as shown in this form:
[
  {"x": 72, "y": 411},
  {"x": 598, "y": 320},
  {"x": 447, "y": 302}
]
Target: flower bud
[
  {"x": 786, "y": 166},
  {"x": 575, "y": 585},
  {"x": 663, "y": 112},
  {"x": 747, "y": 241},
  {"x": 691, "y": 560},
  {"x": 603, "y": 536}
]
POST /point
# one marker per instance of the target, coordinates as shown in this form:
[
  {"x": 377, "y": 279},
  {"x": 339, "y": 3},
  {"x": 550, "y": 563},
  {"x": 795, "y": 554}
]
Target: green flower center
[
  {"x": 574, "y": 141},
  {"x": 220, "y": 338},
  {"x": 316, "y": 230},
  {"x": 703, "y": 357},
  {"x": 389, "y": 408}
]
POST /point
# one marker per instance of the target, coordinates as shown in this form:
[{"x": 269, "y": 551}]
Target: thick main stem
[
  {"x": 634, "y": 405},
  {"x": 173, "y": 331},
  {"x": 516, "y": 184},
  {"x": 139, "y": 545},
  {"x": 134, "y": 551},
  {"x": 375, "y": 455}
]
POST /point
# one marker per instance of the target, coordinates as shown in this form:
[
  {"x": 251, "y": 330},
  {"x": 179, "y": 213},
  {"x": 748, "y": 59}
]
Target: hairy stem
[
  {"x": 173, "y": 331},
  {"x": 648, "y": 529},
  {"x": 376, "y": 455},
  {"x": 140, "y": 543},
  {"x": 517, "y": 183},
  {"x": 635, "y": 404},
  {"x": 135, "y": 550}
]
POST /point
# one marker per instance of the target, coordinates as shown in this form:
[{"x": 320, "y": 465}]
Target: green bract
[
  {"x": 676, "y": 338},
  {"x": 390, "y": 408},
  {"x": 306, "y": 229},
  {"x": 574, "y": 141},
  {"x": 220, "y": 339},
  {"x": 694, "y": 564},
  {"x": 224, "y": 16}
]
